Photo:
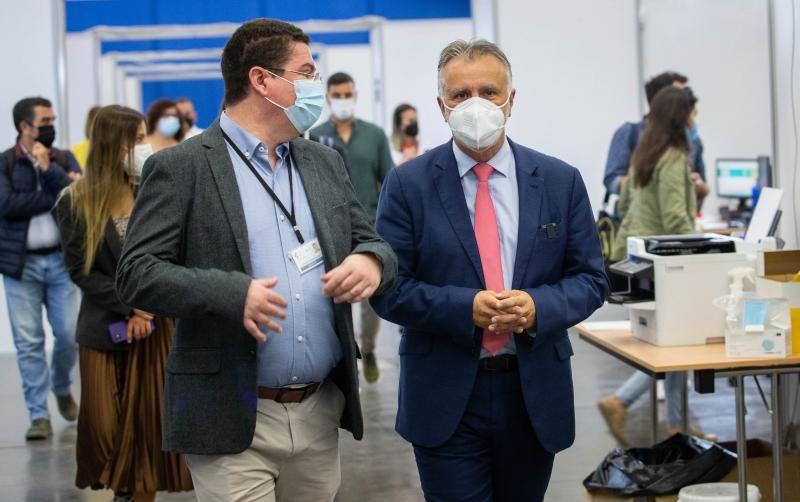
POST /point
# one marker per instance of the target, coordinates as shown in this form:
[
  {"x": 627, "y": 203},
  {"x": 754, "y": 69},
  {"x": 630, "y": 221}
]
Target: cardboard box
[
  {"x": 759, "y": 470},
  {"x": 599, "y": 497},
  {"x": 776, "y": 269},
  {"x": 759, "y": 473}
]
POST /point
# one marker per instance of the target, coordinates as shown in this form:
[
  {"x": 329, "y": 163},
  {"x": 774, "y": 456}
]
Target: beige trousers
[{"x": 294, "y": 455}]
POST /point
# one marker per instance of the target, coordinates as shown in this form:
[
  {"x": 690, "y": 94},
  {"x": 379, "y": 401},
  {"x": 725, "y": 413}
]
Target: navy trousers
[{"x": 494, "y": 455}]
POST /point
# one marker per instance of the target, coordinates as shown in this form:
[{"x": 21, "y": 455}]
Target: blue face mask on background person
[
  {"x": 169, "y": 126},
  {"x": 308, "y": 103},
  {"x": 693, "y": 133}
]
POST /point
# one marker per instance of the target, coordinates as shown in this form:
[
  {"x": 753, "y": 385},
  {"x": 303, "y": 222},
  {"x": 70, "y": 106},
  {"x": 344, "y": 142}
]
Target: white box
[{"x": 768, "y": 343}]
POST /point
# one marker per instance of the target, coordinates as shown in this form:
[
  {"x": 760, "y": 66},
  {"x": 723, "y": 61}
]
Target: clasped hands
[
  {"x": 504, "y": 312},
  {"x": 353, "y": 281}
]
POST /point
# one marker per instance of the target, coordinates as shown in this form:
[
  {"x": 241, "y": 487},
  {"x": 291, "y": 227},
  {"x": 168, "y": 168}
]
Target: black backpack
[{"x": 607, "y": 225}]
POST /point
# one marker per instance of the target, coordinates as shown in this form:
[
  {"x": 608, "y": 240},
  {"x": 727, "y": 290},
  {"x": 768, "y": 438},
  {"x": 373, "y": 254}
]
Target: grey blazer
[{"x": 186, "y": 256}]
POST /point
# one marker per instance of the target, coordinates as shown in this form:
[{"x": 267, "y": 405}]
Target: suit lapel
[
  {"x": 451, "y": 194},
  {"x": 315, "y": 188},
  {"x": 531, "y": 198},
  {"x": 219, "y": 161}
]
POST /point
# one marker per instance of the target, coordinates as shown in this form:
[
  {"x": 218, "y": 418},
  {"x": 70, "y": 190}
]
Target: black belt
[
  {"x": 44, "y": 251},
  {"x": 505, "y": 362}
]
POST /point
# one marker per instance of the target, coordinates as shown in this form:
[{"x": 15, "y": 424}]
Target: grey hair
[{"x": 470, "y": 49}]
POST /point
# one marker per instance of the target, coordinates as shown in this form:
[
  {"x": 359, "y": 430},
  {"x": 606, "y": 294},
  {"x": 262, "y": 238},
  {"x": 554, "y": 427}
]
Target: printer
[{"x": 672, "y": 280}]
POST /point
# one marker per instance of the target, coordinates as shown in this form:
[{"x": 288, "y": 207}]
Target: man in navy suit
[{"x": 498, "y": 256}]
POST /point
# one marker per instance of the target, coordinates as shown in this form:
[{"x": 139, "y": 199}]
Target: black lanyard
[{"x": 290, "y": 215}]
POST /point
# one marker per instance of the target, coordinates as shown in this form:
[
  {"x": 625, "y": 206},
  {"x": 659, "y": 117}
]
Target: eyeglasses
[{"x": 311, "y": 76}]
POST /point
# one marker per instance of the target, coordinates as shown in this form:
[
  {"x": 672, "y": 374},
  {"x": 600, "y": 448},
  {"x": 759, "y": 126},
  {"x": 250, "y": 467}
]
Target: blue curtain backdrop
[{"x": 82, "y": 14}]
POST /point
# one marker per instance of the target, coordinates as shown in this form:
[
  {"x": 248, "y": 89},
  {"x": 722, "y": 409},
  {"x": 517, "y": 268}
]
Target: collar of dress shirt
[
  {"x": 246, "y": 142},
  {"x": 500, "y": 160}
]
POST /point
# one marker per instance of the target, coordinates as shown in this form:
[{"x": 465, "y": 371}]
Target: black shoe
[
  {"x": 371, "y": 371},
  {"x": 40, "y": 429},
  {"x": 67, "y": 407}
]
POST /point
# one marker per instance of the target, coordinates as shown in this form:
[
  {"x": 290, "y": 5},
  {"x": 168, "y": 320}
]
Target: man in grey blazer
[{"x": 252, "y": 238}]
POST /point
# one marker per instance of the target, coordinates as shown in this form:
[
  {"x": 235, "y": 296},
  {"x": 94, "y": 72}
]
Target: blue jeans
[
  {"x": 45, "y": 282},
  {"x": 639, "y": 383}
]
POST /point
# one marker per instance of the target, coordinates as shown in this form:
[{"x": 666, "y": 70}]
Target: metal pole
[
  {"x": 640, "y": 55},
  {"x": 777, "y": 440},
  {"x": 653, "y": 410},
  {"x": 60, "y": 53},
  {"x": 377, "y": 43},
  {"x": 98, "y": 69},
  {"x": 773, "y": 96},
  {"x": 684, "y": 402},
  {"x": 741, "y": 439}
]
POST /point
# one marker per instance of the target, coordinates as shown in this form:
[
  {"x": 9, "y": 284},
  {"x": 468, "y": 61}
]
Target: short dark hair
[
  {"x": 339, "y": 78},
  {"x": 661, "y": 81},
  {"x": 259, "y": 42},
  {"x": 24, "y": 110}
]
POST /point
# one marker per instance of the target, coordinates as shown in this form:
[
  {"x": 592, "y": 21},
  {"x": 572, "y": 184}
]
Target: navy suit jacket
[{"x": 423, "y": 215}]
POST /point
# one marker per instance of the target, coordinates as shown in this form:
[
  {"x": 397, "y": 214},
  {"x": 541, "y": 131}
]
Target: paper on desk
[
  {"x": 769, "y": 202},
  {"x": 713, "y": 225},
  {"x": 607, "y": 325}
]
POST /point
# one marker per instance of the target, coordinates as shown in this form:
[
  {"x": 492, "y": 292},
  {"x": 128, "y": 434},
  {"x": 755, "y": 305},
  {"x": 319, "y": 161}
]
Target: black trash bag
[{"x": 664, "y": 469}]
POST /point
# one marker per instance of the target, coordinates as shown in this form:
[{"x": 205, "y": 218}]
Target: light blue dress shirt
[
  {"x": 505, "y": 197},
  {"x": 307, "y": 349}
]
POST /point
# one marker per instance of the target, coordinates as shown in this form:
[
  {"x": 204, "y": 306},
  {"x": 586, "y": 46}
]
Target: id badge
[{"x": 307, "y": 256}]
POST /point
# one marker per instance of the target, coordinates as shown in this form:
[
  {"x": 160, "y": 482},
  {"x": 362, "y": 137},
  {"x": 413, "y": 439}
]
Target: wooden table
[
  {"x": 727, "y": 231},
  {"x": 706, "y": 362}
]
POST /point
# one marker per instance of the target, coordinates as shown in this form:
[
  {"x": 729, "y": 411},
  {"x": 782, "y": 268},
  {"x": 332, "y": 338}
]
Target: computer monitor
[{"x": 737, "y": 177}]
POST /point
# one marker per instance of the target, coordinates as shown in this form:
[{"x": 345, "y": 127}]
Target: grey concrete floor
[{"x": 381, "y": 467}]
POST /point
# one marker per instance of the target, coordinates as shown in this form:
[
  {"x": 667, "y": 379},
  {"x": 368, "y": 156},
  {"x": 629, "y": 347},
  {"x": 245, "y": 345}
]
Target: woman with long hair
[
  {"x": 405, "y": 132},
  {"x": 164, "y": 127},
  {"x": 123, "y": 351},
  {"x": 658, "y": 198}
]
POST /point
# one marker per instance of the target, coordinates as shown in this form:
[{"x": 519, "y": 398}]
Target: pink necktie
[{"x": 489, "y": 248}]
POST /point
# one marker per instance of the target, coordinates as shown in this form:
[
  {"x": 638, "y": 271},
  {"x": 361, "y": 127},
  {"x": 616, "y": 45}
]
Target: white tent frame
[{"x": 113, "y": 82}]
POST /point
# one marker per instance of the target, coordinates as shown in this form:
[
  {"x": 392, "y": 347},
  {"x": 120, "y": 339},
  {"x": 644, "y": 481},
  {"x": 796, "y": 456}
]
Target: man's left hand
[
  {"x": 355, "y": 280},
  {"x": 519, "y": 312},
  {"x": 74, "y": 176}
]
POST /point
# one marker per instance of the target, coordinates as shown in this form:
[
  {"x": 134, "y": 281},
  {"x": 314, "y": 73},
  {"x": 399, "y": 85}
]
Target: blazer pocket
[
  {"x": 563, "y": 348},
  {"x": 415, "y": 343},
  {"x": 193, "y": 362}
]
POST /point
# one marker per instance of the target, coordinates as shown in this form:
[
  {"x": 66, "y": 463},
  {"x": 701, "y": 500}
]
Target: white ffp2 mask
[
  {"x": 343, "y": 109},
  {"x": 477, "y": 122},
  {"x": 135, "y": 163}
]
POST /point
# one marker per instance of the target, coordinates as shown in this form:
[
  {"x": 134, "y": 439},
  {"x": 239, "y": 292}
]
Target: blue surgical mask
[
  {"x": 169, "y": 126},
  {"x": 693, "y": 133},
  {"x": 308, "y": 103}
]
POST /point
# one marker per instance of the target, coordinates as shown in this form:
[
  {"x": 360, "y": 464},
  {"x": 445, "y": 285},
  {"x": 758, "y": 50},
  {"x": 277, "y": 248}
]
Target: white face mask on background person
[
  {"x": 477, "y": 122},
  {"x": 135, "y": 163},
  {"x": 343, "y": 109}
]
